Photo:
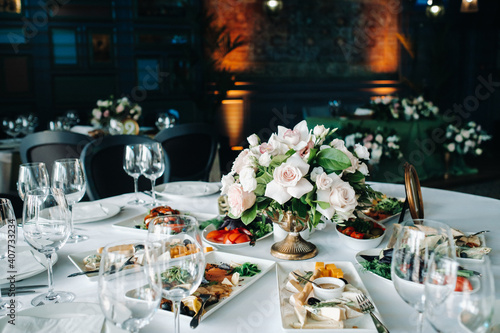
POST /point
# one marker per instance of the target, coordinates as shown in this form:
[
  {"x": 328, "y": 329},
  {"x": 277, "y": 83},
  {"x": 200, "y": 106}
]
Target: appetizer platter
[
  {"x": 304, "y": 308},
  {"x": 384, "y": 209}
]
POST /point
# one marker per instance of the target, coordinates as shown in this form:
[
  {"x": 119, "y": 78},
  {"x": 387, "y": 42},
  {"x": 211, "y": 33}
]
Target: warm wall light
[
  {"x": 435, "y": 8},
  {"x": 469, "y": 6},
  {"x": 232, "y": 120},
  {"x": 273, "y": 6}
]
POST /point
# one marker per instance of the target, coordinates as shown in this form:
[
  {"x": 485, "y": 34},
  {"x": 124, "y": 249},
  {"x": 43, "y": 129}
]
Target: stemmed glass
[
  {"x": 129, "y": 284},
  {"x": 8, "y": 236},
  {"x": 416, "y": 241},
  {"x": 152, "y": 163},
  {"x": 68, "y": 175},
  {"x": 183, "y": 262},
  {"x": 471, "y": 295},
  {"x": 12, "y": 127},
  {"x": 133, "y": 169},
  {"x": 32, "y": 176},
  {"x": 46, "y": 228}
]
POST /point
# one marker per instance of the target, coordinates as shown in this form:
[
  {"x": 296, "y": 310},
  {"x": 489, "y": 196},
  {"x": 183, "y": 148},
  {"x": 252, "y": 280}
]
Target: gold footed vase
[{"x": 293, "y": 247}]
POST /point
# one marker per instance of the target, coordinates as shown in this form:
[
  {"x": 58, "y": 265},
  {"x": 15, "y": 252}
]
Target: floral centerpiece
[
  {"x": 297, "y": 171},
  {"x": 114, "y": 109},
  {"x": 465, "y": 140},
  {"x": 391, "y": 107}
]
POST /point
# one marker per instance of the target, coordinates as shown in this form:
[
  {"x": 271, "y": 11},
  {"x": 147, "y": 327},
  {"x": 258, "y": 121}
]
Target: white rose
[
  {"x": 288, "y": 180},
  {"x": 479, "y": 151},
  {"x": 342, "y": 200},
  {"x": 243, "y": 160},
  {"x": 459, "y": 138},
  {"x": 120, "y": 108},
  {"x": 338, "y": 144},
  {"x": 247, "y": 179},
  {"x": 451, "y": 147},
  {"x": 273, "y": 146},
  {"x": 465, "y": 134},
  {"x": 101, "y": 103},
  {"x": 295, "y": 138},
  {"x": 320, "y": 131},
  {"x": 253, "y": 140},
  {"x": 227, "y": 181},
  {"x": 361, "y": 151},
  {"x": 265, "y": 159},
  {"x": 376, "y": 155},
  {"x": 379, "y": 138},
  {"x": 323, "y": 182},
  {"x": 239, "y": 200},
  {"x": 96, "y": 113},
  {"x": 316, "y": 172},
  {"x": 363, "y": 168}
]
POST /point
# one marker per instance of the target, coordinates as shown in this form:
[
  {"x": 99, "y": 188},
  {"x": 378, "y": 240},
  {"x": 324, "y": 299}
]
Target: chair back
[
  {"x": 191, "y": 149},
  {"x": 48, "y": 146},
  {"x": 103, "y": 163}
]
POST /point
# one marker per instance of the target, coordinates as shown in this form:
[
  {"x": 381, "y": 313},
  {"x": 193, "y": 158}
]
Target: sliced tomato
[
  {"x": 463, "y": 284},
  {"x": 226, "y": 239},
  {"x": 357, "y": 235},
  {"x": 216, "y": 236},
  {"x": 242, "y": 238},
  {"x": 233, "y": 236},
  {"x": 347, "y": 231}
]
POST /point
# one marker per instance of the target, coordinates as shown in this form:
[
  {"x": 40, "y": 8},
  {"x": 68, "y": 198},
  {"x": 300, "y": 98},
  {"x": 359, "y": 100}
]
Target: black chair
[
  {"x": 48, "y": 146},
  {"x": 191, "y": 149},
  {"x": 103, "y": 163}
]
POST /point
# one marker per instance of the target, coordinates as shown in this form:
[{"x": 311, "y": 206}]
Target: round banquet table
[{"x": 257, "y": 309}]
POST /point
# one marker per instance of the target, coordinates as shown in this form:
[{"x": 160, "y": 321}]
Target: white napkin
[
  {"x": 363, "y": 112},
  {"x": 25, "y": 263},
  {"x": 89, "y": 211},
  {"x": 71, "y": 317}
]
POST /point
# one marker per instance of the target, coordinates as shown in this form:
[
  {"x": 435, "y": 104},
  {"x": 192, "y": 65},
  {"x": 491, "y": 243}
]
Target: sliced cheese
[
  {"x": 292, "y": 276},
  {"x": 336, "y": 273},
  {"x": 227, "y": 282},
  {"x": 235, "y": 279},
  {"x": 301, "y": 313},
  {"x": 331, "y": 312},
  {"x": 293, "y": 286},
  {"x": 351, "y": 312},
  {"x": 319, "y": 265}
]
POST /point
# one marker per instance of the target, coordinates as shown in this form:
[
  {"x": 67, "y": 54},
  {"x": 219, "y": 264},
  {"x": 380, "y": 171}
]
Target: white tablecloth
[{"x": 257, "y": 308}]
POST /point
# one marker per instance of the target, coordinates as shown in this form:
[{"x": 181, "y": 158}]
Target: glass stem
[
  {"x": 153, "y": 182},
  {"x": 50, "y": 293},
  {"x": 136, "y": 188},
  {"x": 176, "y": 307},
  {"x": 420, "y": 321},
  {"x": 71, "y": 234}
]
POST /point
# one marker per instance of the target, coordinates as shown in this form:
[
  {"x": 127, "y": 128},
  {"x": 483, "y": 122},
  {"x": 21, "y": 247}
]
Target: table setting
[{"x": 145, "y": 273}]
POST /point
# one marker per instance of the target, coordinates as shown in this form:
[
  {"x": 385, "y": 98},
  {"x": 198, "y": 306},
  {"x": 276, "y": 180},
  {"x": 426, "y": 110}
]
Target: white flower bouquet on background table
[{"x": 297, "y": 171}]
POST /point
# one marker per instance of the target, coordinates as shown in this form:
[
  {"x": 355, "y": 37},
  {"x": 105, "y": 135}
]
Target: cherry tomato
[
  {"x": 463, "y": 284},
  {"x": 242, "y": 238},
  {"x": 348, "y": 231},
  {"x": 357, "y": 235}
]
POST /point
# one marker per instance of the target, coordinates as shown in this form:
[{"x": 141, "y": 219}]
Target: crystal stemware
[
  {"x": 46, "y": 228},
  {"x": 416, "y": 241},
  {"x": 68, "y": 175},
  {"x": 32, "y": 176},
  {"x": 152, "y": 162},
  {"x": 131, "y": 165},
  {"x": 129, "y": 284},
  {"x": 183, "y": 262}
]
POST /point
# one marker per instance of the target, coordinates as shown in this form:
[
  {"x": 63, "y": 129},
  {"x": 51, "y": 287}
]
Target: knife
[
  {"x": 18, "y": 292},
  {"x": 19, "y": 288},
  {"x": 83, "y": 273}
]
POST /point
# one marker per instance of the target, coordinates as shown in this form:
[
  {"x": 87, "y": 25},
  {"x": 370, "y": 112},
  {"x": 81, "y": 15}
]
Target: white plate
[
  {"x": 283, "y": 269},
  {"x": 77, "y": 260},
  {"x": 217, "y": 257},
  {"x": 27, "y": 265},
  {"x": 383, "y": 220},
  {"x": 187, "y": 189},
  {"x": 135, "y": 221},
  {"x": 369, "y": 252},
  {"x": 100, "y": 211},
  {"x": 211, "y": 227}
]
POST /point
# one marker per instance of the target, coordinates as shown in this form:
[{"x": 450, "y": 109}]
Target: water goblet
[
  {"x": 182, "y": 262},
  {"x": 129, "y": 284},
  {"x": 416, "y": 241},
  {"x": 46, "y": 228},
  {"x": 32, "y": 176},
  {"x": 152, "y": 163},
  {"x": 68, "y": 175},
  {"x": 8, "y": 238},
  {"x": 133, "y": 169}
]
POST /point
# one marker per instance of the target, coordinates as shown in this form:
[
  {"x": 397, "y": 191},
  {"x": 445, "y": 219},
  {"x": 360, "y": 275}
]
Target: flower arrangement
[
  {"x": 381, "y": 143},
  {"x": 118, "y": 109},
  {"x": 466, "y": 140},
  {"x": 297, "y": 171},
  {"x": 391, "y": 107}
]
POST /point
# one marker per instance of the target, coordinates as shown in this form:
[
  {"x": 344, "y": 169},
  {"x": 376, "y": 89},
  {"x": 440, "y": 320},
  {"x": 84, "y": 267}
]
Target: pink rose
[
  {"x": 342, "y": 200},
  {"x": 105, "y": 114},
  {"x": 239, "y": 200}
]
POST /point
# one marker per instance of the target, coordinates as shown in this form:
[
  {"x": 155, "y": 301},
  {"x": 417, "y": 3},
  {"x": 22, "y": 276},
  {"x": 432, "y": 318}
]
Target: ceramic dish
[
  {"x": 135, "y": 222},
  {"x": 85, "y": 212},
  {"x": 187, "y": 189},
  {"x": 361, "y": 244},
  {"x": 28, "y": 263},
  {"x": 381, "y": 221},
  {"x": 211, "y": 227},
  {"x": 77, "y": 260},
  {"x": 369, "y": 252},
  {"x": 363, "y": 323}
]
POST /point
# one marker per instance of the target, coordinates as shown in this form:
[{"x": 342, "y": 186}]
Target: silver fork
[{"x": 367, "y": 307}]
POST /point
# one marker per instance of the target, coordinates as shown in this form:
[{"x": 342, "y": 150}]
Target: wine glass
[
  {"x": 183, "y": 262},
  {"x": 46, "y": 228},
  {"x": 469, "y": 305},
  {"x": 152, "y": 163},
  {"x": 12, "y": 127},
  {"x": 8, "y": 236},
  {"x": 68, "y": 175},
  {"x": 129, "y": 284},
  {"x": 416, "y": 241},
  {"x": 132, "y": 168},
  {"x": 32, "y": 176}
]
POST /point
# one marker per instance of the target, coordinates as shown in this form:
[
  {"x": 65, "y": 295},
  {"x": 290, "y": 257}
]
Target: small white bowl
[
  {"x": 361, "y": 244},
  {"x": 326, "y": 294}
]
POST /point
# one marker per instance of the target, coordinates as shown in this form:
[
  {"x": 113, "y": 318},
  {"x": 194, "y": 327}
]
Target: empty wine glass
[
  {"x": 183, "y": 266},
  {"x": 129, "y": 284},
  {"x": 68, "y": 175},
  {"x": 32, "y": 176},
  {"x": 469, "y": 305},
  {"x": 416, "y": 241},
  {"x": 8, "y": 236},
  {"x": 132, "y": 167},
  {"x": 12, "y": 127},
  {"x": 46, "y": 228},
  {"x": 152, "y": 163}
]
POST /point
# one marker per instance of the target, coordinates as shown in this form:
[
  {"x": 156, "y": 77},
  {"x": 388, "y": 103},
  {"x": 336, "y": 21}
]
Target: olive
[
  {"x": 377, "y": 232},
  {"x": 186, "y": 242},
  {"x": 313, "y": 300},
  {"x": 166, "y": 306},
  {"x": 345, "y": 281},
  {"x": 463, "y": 255}
]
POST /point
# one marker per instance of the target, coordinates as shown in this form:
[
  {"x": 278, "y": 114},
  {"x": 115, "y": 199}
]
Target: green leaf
[
  {"x": 332, "y": 160},
  {"x": 265, "y": 178},
  {"x": 312, "y": 155},
  {"x": 355, "y": 177},
  {"x": 323, "y": 204},
  {"x": 249, "y": 215},
  {"x": 260, "y": 190},
  {"x": 278, "y": 160}
]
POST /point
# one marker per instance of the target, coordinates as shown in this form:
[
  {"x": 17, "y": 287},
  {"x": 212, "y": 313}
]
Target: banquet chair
[
  {"x": 103, "y": 163},
  {"x": 191, "y": 149},
  {"x": 48, "y": 146}
]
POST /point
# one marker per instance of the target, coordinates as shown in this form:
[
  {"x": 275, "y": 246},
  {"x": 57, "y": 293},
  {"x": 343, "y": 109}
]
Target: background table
[{"x": 257, "y": 308}]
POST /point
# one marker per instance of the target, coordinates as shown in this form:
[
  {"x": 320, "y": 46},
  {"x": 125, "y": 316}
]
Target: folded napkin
[
  {"x": 89, "y": 211},
  {"x": 25, "y": 263},
  {"x": 69, "y": 317}
]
